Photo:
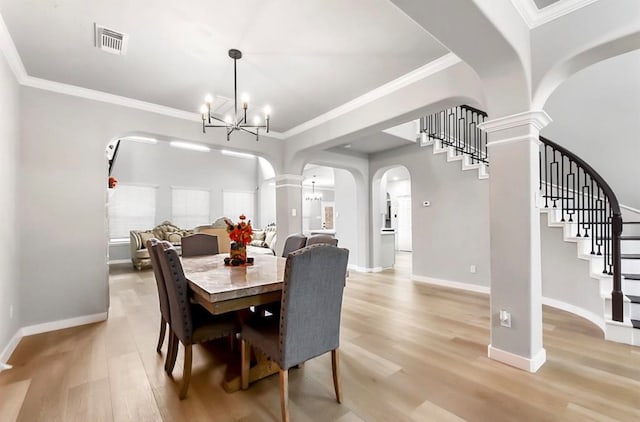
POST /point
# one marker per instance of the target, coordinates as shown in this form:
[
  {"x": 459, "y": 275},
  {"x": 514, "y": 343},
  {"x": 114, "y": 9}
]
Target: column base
[{"x": 517, "y": 361}]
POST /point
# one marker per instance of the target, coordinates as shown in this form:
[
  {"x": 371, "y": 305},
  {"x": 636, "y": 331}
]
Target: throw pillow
[
  {"x": 269, "y": 238},
  {"x": 259, "y": 243},
  {"x": 259, "y": 235}
]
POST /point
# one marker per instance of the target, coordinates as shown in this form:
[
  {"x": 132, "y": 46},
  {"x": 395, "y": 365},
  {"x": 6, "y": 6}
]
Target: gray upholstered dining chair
[
  {"x": 293, "y": 243},
  {"x": 165, "y": 315},
  {"x": 309, "y": 320},
  {"x": 199, "y": 244},
  {"x": 316, "y": 239},
  {"x": 190, "y": 323}
]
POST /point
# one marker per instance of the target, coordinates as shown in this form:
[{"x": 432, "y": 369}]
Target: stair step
[
  {"x": 629, "y": 237},
  {"x": 635, "y": 323},
  {"x": 634, "y": 299},
  {"x": 631, "y": 276},
  {"x": 630, "y": 256},
  {"x": 631, "y": 222}
]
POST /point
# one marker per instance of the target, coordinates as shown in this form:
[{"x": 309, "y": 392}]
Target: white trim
[
  {"x": 573, "y": 309},
  {"x": 535, "y": 17},
  {"x": 511, "y": 140},
  {"x": 296, "y": 177},
  {"x": 535, "y": 118},
  {"x": 637, "y": 211},
  {"x": 517, "y": 361},
  {"x": 8, "y": 350},
  {"x": 10, "y": 53},
  {"x": 4, "y": 366},
  {"x": 119, "y": 261},
  {"x": 46, "y": 327},
  {"x": 416, "y": 75},
  {"x": 62, "y": 324},
  {"x": 289, "y": 185},
  {"x": 359, "y": 269},
  {"x": 452, "y": 284}
]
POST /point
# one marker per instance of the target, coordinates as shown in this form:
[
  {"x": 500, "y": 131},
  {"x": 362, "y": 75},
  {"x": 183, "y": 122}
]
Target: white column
[
  {"x": 515, "y": 239},
  {"x": 288, "y": 207}
]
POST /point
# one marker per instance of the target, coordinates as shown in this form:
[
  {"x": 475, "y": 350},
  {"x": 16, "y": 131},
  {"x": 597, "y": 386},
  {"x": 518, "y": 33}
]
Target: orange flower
[
  {"x": 112, "y": 182},
  {"x": 241, "y": 232}
]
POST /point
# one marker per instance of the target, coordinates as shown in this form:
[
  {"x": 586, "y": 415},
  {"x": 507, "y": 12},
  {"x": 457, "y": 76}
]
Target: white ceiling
[{"x": 303, "y": 58}]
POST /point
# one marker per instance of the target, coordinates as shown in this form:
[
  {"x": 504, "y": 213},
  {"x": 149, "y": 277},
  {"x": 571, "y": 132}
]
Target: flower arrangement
[
  {"x": 113, "y": 182},
  {"x": 240, "y": 232}
]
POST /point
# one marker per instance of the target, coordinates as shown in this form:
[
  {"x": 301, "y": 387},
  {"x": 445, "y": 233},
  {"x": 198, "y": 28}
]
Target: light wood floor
[{"x": 410, "y": 352}]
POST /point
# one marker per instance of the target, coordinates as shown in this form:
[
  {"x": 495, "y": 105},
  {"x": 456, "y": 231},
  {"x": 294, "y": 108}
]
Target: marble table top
[{"x": 213, "y": 281}]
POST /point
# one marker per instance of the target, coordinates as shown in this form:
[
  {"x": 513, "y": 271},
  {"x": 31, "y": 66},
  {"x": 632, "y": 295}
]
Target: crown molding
[
  {"x": 535, "y": 17},
  {"x": 11, "y": 54},
  {"x": 429, "y": 69},
  {"x": 8, "y": 49},
  {"x": 537, "y": 119}
]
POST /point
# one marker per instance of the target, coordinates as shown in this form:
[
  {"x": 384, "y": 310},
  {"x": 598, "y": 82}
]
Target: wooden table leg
[{"x": 263, "y": 368}]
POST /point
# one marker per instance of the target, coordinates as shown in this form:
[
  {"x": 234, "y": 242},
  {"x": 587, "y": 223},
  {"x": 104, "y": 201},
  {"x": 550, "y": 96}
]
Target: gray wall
[
  {"x": 63, "y": 194},
  {"x": 564, "y": 276},
  {"x": 346, "y": 214},
  {"x": 453, "y": 233},
  {"x": 596, "y": 115},
  {"x": 9, "y": 237}
]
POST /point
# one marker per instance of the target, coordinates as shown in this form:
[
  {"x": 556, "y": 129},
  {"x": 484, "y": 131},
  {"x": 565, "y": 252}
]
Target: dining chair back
[
  {"x": 153, "y": 245},
  {"x": 199, "y": 244},
  {"x": 316, "y": 239},
  {"x": 309, "y": 320},
  {"x": 293, "y": 243}
]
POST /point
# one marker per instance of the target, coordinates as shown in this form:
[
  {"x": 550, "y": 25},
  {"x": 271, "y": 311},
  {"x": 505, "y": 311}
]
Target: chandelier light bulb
[
  {"x": 267, "y": 112},
  {"x": 208, "y": 99},
  {"x": 204, "y": 110},
  {"x": 245, "y": 100}
]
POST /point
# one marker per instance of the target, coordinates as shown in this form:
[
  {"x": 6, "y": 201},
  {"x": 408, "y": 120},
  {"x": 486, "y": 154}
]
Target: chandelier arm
[
  {"x": 220, "y": 120},
  {"x": 214, "y": 125}
]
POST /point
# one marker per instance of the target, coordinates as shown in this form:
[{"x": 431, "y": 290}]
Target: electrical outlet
[
  {"x": 505, "y": 318},
  {"x": 472, "y": 269},
  {"x": 11, "y": 311}
]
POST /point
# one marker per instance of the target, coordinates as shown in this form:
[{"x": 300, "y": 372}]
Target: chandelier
[
  {"x": 235, "y": 122},
  {"x": 313, "y": 196}
]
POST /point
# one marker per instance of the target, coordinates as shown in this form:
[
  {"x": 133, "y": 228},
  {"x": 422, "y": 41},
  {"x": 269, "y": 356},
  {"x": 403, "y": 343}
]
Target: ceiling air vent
[{"x": 111, "y": 41}]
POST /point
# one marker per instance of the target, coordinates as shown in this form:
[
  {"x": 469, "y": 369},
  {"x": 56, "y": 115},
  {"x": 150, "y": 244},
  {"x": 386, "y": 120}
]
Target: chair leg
[
  {"x": 284, "y": 394},
  {"x": 335, "y": 366},
  {"x": 186, "y": 372},
  {"x": 172, "y": 353},
  {"x": 245, "y": 357},
  {"x": 163, "y": 329}
]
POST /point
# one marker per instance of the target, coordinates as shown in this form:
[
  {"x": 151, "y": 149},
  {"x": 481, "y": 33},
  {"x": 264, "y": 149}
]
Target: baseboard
[
  {"x": 589, "y": 316},
  {"x": 43, "y": 328},
  {"x": 517, "y": 361},
  {"x": 62, "y": 324},
  {"x": 119, "y": 261},
  {"x": 8, "y": 350},
  {"x": 452, "y": 284},
  {"x": 364, "y": 269}
]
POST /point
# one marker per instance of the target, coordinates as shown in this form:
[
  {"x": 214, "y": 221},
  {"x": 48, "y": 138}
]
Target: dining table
[{"x": 222, "y": 288}]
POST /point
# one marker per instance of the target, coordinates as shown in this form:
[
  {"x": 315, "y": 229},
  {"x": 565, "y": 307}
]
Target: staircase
[{"x": 575, "y": 198}]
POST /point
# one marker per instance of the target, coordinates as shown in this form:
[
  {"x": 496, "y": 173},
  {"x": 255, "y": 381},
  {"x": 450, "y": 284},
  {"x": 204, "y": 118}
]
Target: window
[
  {"x": 131, "y": 208},
  {"x": 190, "y": 207},
  {"x": 236, "y": 203}
]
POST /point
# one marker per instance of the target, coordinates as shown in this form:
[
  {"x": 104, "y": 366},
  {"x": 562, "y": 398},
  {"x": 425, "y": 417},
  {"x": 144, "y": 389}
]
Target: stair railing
[
  {"x": 457, "y": 127},
  {"x": 586, "y": 200},
  {"x": 566, "y": 182}
]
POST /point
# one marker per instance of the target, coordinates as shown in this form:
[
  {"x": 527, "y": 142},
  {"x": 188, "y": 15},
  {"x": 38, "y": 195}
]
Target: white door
[{"x": 404, "y": 223}]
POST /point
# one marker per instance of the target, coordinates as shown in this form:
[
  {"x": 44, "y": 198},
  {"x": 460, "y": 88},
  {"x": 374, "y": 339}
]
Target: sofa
[
  {"x": 264, "y": 241},
  {"x": 164, "y": 231}
]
